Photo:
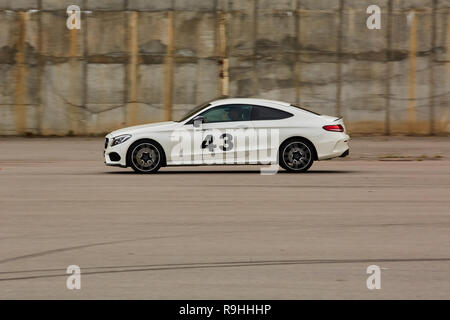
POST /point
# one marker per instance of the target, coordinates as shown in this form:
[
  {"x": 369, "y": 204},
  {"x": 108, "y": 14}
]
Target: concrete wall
[{"x": 137, "y": 61}]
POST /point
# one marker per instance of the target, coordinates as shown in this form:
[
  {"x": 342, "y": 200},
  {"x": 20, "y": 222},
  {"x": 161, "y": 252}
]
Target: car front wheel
[{"x": 145, "y": 157}]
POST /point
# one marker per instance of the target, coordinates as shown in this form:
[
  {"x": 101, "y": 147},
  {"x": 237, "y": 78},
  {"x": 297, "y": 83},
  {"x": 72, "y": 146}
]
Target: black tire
[
  {"x": 296, "y": 155},
  {"x": 145, "y": 156}
]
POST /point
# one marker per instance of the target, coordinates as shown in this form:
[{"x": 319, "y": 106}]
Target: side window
[
  {"x": 266, "y": 113},
  {"x": 226, "y": 113}
]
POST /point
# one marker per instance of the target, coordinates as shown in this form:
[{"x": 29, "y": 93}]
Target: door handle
[{"x": 242, "y": 127}]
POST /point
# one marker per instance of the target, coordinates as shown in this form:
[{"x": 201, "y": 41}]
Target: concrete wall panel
[
  {"x": 151, "y": 92},
  {"x": 57, "y": 41},
  {"x": 111, "y": 30},
  {"x": 60, "y": 4},
  {"x": 62, "y": 108},
  {"x": 363, "y": 96},
  {"x": 195, "y": 36},
  {"x": 135, "y": 60},
  {"x": 145, "y": 5},
  {"x": 18, "y": 4}
]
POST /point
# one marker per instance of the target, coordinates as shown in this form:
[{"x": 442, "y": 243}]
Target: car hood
[{"x": 158, "y": 126}]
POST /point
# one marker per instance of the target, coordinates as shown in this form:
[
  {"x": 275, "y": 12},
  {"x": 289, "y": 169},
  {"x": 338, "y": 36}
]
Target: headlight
[{"x": 119, "y": 139}]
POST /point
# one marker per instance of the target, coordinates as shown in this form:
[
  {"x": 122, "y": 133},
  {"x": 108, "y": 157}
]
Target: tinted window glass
[
  {"x": 226, "y": 113},
  {"x": 194, "y": 111},
  {"x": 265, "y": 113}
]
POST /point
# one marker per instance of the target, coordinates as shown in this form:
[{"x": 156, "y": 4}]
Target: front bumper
[{"x": 115, "y": 155}]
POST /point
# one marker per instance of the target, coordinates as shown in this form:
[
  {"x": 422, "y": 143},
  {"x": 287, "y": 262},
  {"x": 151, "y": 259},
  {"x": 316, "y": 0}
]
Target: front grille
[{"x": 106, "y": 143}]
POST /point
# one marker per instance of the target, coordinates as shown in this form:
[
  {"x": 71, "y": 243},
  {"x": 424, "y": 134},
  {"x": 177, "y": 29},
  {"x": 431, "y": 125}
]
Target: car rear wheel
[
  {"x": 145, "y": 157},
  {"x": 296, "y": 155}
]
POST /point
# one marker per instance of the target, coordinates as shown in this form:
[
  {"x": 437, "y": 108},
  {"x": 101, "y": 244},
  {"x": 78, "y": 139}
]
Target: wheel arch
[
  {"x": 314, "y": 150},
  {"x": 156, "y": 143}
]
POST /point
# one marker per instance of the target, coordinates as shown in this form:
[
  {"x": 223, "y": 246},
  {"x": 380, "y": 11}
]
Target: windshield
[
  {"x": 304, "y": 109},
  {"x": 194, "y": 111}
]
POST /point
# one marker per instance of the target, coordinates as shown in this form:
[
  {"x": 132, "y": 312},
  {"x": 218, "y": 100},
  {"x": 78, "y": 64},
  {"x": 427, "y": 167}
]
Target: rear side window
[{"x": 266, "y": 113}]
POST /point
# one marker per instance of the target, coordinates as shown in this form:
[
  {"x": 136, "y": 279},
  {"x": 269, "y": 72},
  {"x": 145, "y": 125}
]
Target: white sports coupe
[{"x": 231, "y": 131}]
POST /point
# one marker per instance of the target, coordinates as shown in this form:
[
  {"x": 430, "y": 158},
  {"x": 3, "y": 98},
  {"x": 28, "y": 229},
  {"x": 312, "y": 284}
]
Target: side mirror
[{"x": 198, "y": 121}]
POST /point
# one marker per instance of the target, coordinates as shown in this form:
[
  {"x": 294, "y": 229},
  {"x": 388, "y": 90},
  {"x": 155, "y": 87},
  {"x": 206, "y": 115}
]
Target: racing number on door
[
  {"x": 208, "y": 143},
  {"x": 227, "y": 142}
]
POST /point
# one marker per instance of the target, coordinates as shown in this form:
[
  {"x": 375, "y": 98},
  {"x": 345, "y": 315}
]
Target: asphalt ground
[{"x": 225, "y": 232}]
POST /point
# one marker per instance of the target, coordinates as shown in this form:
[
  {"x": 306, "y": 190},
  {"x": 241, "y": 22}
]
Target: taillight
[{"x": 334, "y": 127}]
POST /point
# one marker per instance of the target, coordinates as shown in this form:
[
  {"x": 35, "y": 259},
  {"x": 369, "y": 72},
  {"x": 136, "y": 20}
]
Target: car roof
[{"x": 249, "y": 101}]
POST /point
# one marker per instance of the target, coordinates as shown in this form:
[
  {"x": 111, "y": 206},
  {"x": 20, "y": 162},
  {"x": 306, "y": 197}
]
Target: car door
[
  {"x": 270, "y": 125},
  {"x": 226, "y": 134}
]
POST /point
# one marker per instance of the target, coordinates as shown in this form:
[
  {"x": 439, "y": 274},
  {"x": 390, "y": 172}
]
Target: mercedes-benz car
[{"x": 231, "y": 131}]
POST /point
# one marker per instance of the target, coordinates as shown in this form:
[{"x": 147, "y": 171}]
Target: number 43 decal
[{"x": 227, "y": 142}]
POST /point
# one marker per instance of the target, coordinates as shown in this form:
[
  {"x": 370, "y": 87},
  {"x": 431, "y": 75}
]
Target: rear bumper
[
  {"x": 346, "y": 153},
  {"x": 333, "y": 145}
]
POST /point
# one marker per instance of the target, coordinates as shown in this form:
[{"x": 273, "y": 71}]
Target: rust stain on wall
[
  {"x": 387, "y": 118},
  {"x": 297, "y": 66},
  {"x": 168, "y": 68},
  {"x": 447, "y": 40},
  {"x": 443, "y": 121},
  {"x": 339, "y": 59},
  {"x": 74, "y": 116},
  {"x": 412, "y": 71},
  {"x": 224, "y": 76},
  {"x": 21, "y": 75},
  {"x": 132, "y": 67}
]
